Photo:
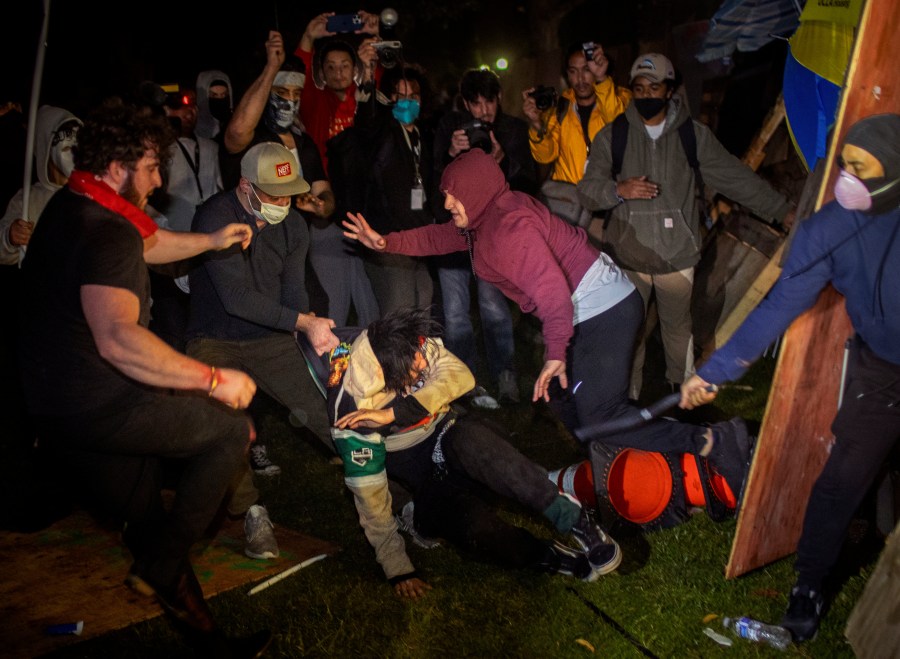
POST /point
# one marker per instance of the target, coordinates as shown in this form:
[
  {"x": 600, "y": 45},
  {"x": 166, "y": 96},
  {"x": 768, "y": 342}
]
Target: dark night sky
[{"x": 98, "y": 47}]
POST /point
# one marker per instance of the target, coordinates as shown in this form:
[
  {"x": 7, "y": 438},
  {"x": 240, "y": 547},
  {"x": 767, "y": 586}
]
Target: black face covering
[
  {"x": 649, "y": 107},
  {"x": 885, "y": 194},
  {"x": 218, "y": 108}
]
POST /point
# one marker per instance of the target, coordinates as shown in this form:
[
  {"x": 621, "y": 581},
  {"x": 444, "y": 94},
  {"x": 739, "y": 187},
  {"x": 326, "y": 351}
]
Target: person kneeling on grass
[{"x": 389, "y": 398}]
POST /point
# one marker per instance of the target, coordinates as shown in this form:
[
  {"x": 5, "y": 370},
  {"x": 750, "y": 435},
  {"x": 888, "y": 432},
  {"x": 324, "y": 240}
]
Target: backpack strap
[
  {"x": 619, "y": 142},
  {"x": 689, "y": 144}
]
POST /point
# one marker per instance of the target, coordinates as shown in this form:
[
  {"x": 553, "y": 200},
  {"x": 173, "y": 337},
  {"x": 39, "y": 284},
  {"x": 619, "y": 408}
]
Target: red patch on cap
[{"x": 283, "y": 169}]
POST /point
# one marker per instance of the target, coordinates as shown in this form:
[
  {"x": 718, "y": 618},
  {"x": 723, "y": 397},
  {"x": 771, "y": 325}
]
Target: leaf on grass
[
  {"x": 718, "y": 638},
  {"x": 710, "y": 616},
  {"x": 581, "y": 641}
]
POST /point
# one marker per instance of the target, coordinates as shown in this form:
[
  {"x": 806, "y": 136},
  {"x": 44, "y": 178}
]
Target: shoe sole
[
  {"x": 138, "y": 585},
  {"x": 606, "y": 568},
  {"x": 265, "y": 556},
  {"x": 268, "y": 471}
]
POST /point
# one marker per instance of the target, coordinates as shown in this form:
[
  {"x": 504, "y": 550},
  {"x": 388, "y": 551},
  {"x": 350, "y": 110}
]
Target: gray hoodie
[
  {"x": 47, "y": 122},
  {"x": 207, "y": 125},
  {"x": 662, "y": 234}
]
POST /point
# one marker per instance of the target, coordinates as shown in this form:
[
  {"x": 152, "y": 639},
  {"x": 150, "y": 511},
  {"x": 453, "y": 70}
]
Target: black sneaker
[
  {"x": 803, "y": 613},
  {"x": 602, "y": 551},
  {"x": 560, "y": 559},
  {"x": 731, "y": 451},
  {"x": 260, "y": 463}
]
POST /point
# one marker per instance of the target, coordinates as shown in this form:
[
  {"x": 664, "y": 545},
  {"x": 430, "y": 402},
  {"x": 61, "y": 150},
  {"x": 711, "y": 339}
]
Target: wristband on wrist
[{"x": 213, "y": 380}]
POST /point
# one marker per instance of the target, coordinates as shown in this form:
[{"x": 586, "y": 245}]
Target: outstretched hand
[
  {"x": 358, "y": 229},
  {"x": 552, "y": 368},
  {"x": 411, "y": 588},
  {"x": 231, "y": 234}
]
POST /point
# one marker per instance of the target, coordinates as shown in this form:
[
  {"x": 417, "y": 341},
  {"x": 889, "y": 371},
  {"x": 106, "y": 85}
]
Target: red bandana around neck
[{"x": 93, "y": 188}]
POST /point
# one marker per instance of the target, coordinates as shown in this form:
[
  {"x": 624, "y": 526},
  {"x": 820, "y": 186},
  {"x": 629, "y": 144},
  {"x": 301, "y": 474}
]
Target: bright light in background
[{"x": 502, "y": 64}]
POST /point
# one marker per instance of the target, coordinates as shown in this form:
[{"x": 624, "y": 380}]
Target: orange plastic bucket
[
  {"x": 693, "y": 488},
  {"x": 640, "y": 485}
]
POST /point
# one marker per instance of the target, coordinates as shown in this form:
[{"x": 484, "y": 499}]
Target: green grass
[{"x": 342, "y": 607}]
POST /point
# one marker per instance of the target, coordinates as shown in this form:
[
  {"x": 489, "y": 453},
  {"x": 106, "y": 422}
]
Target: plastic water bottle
[{"x": 759, "y": 632}]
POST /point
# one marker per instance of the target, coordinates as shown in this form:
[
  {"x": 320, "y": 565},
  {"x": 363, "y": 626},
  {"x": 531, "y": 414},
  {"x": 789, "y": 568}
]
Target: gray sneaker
[
  {"x": 405, "y": 522},
  {"x": 260, "y": 534},
  {"x": 481, "y": 398},
  {"x": 260, "y": 463}
]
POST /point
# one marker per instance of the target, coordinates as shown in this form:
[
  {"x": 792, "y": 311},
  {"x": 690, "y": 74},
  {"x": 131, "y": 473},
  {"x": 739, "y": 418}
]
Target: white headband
[{"x": 289, "y": 79}]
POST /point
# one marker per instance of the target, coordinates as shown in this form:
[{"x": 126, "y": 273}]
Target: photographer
[
  {"x": 508, "y": 137},
  {"x": 561, "y": 134}
]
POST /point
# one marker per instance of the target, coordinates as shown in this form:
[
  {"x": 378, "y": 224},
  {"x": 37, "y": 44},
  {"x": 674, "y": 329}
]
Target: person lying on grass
[{"x": 389, "y": 397}]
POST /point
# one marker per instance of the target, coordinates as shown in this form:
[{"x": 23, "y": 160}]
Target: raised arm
[{"x": 248, "y": 112}]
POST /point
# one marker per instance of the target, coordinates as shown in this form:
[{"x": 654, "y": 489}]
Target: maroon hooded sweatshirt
[{"x": 535, "y": 258}]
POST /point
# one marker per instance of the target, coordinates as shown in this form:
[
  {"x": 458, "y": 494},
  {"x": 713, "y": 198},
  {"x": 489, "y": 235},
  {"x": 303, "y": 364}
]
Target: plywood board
[
  {"x": 74, "y": 570},
  {"x": 795, "y": 435}
]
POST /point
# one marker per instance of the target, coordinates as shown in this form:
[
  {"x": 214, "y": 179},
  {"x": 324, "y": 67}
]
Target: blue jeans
[{"x": 496, "y": 321}]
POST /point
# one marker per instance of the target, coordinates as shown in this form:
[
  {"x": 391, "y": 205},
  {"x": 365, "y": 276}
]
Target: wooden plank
[
  {"x": 872, "y": 628},
  {"x": 74, "y": 570},
  {"x": 795, "y": 435}
]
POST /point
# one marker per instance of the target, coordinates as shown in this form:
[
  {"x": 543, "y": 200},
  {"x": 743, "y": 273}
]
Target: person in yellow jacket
[{"x": 591, "y": 101}]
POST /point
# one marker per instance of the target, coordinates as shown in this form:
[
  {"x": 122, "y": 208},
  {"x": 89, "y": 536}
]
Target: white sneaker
[
  {"x": 260, "y": 463},
  {"x": 260, "y": 534}
]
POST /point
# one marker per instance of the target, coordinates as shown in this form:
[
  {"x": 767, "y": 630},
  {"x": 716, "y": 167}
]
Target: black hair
[
  {"x": 116, "y": 131},
  {"x": 479, "y": 82},
  {"x": 412, "y": 72},
  {"x": 291, "y": 63},
  {"x": 396, "y": 338}
]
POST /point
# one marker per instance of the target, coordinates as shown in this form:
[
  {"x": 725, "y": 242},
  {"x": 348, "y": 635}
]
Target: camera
[
  {"x": 544, "y": 97},
  {"x": 389, "y": 53},
  {"x": 479, "y": 134},
  {"x": 588, "y": 49}
]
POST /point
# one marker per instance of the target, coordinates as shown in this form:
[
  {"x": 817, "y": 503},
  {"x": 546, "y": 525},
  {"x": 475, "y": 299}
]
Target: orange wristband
[{"x": 213, "y": 380}]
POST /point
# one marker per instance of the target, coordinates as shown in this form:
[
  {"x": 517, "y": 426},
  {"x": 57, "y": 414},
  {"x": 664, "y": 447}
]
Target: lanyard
[
  {"x": 416, "y": 151},
  {"x": 193, "y": 164}
]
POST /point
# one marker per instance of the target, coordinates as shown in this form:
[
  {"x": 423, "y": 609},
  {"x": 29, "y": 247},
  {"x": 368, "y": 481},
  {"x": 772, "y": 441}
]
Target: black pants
[
  {"x": 114, "y": 456},
  {"x": 452, "y": 503},
  {"x": 598, "y": 366},
  {"x": 866, "y": 429}
]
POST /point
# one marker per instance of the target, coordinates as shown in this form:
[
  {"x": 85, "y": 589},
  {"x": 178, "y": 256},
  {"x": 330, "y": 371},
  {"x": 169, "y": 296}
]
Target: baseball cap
[
  {"x": 272, "y": 168},
  {"x": 654, "y": 67}
]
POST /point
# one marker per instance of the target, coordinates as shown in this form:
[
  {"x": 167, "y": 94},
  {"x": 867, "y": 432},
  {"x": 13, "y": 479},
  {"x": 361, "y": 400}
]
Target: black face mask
[
  {"x": 885, "y": 194},
  {"x": 649, "y": 107},
  {"x": 218, "y": 108}
]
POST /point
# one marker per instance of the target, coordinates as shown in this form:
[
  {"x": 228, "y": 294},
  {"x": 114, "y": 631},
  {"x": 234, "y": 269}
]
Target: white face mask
[
  {"x": 61, "y": 155},
  {"x": 271, "y": 213}
]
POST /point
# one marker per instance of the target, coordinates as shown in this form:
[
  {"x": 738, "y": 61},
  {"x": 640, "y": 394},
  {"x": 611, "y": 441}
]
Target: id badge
[{"x": 416, "y": 198}]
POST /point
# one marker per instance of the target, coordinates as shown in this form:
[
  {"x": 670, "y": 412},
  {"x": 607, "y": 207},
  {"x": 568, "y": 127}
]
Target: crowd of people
[{"x": 314, "y": 238}]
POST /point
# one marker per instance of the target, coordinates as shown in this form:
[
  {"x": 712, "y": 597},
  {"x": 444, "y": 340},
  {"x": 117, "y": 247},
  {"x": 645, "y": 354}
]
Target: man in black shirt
[{"x": 99, "y": 384}]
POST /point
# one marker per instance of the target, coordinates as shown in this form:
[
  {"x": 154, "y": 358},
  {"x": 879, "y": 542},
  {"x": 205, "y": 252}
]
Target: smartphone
[
  {"x": 344, "y": 23},
  {"x": 588, "y": 49}
]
